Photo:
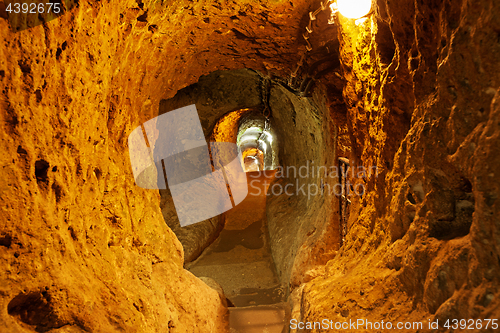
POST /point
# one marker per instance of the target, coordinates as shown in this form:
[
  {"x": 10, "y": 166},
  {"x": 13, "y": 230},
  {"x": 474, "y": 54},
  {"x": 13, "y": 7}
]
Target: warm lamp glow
[{"x": 354, "y": 8}]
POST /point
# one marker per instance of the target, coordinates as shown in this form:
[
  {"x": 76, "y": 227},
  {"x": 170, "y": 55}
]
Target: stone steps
[{"x": 259, "y": 319}]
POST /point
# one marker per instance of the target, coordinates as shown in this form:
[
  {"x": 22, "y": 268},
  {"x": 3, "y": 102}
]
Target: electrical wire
[{"x": 305, "y": 35}]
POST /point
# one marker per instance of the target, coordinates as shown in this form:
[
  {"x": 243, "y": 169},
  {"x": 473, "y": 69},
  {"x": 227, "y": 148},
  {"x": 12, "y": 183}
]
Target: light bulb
[{"x": 354, "y": 8}]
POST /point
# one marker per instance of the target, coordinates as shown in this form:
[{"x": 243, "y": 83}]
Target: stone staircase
[
  {"x": 259, "y": 319},
  {"x": 240, "y": 262}
]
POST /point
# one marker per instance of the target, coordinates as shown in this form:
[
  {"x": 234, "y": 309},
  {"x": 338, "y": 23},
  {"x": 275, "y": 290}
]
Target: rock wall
[
  {"x": 302, "y": 208},
  {"x": 82, "y": 247},
  {"x": 422, "y": 82}
]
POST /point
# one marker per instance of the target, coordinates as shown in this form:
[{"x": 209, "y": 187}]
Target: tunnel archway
[
  {"x": 258, "y": 142},
  {"x": 230, "y": 106},
  {"x": 254, "y": 135}
]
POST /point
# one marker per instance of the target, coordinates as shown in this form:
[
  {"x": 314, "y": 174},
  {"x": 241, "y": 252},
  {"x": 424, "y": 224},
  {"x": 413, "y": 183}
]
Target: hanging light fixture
[{"x": 353, "y": 9}]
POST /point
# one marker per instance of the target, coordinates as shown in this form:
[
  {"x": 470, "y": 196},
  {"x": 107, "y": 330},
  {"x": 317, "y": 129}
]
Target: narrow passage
[{"x": 240, "y": 261}]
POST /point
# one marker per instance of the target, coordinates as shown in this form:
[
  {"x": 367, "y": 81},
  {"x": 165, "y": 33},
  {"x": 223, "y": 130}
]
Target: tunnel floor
[{"x": 240, "y": 259}]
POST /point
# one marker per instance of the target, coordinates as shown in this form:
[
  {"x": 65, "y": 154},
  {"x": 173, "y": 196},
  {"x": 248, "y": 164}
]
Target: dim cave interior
[{"x": 370, "y": 147}]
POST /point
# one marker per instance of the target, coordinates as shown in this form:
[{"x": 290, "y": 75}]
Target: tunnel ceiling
[
  {"x": 156, "y": 48},
  {"x": 130, "y": 55}
]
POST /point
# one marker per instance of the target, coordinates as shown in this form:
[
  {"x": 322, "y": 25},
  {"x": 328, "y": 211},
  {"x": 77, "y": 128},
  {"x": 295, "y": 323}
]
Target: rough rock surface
[
  {"x": 84, "y": 249},
  {"x": 79, "y": 239},
  {"x": 303, "y": 222},
  {"x": 422, "y": 83}
]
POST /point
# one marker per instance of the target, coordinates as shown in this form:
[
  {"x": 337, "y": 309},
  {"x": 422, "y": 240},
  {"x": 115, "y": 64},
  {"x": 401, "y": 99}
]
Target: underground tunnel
[{"x": 365, "y": 134}]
